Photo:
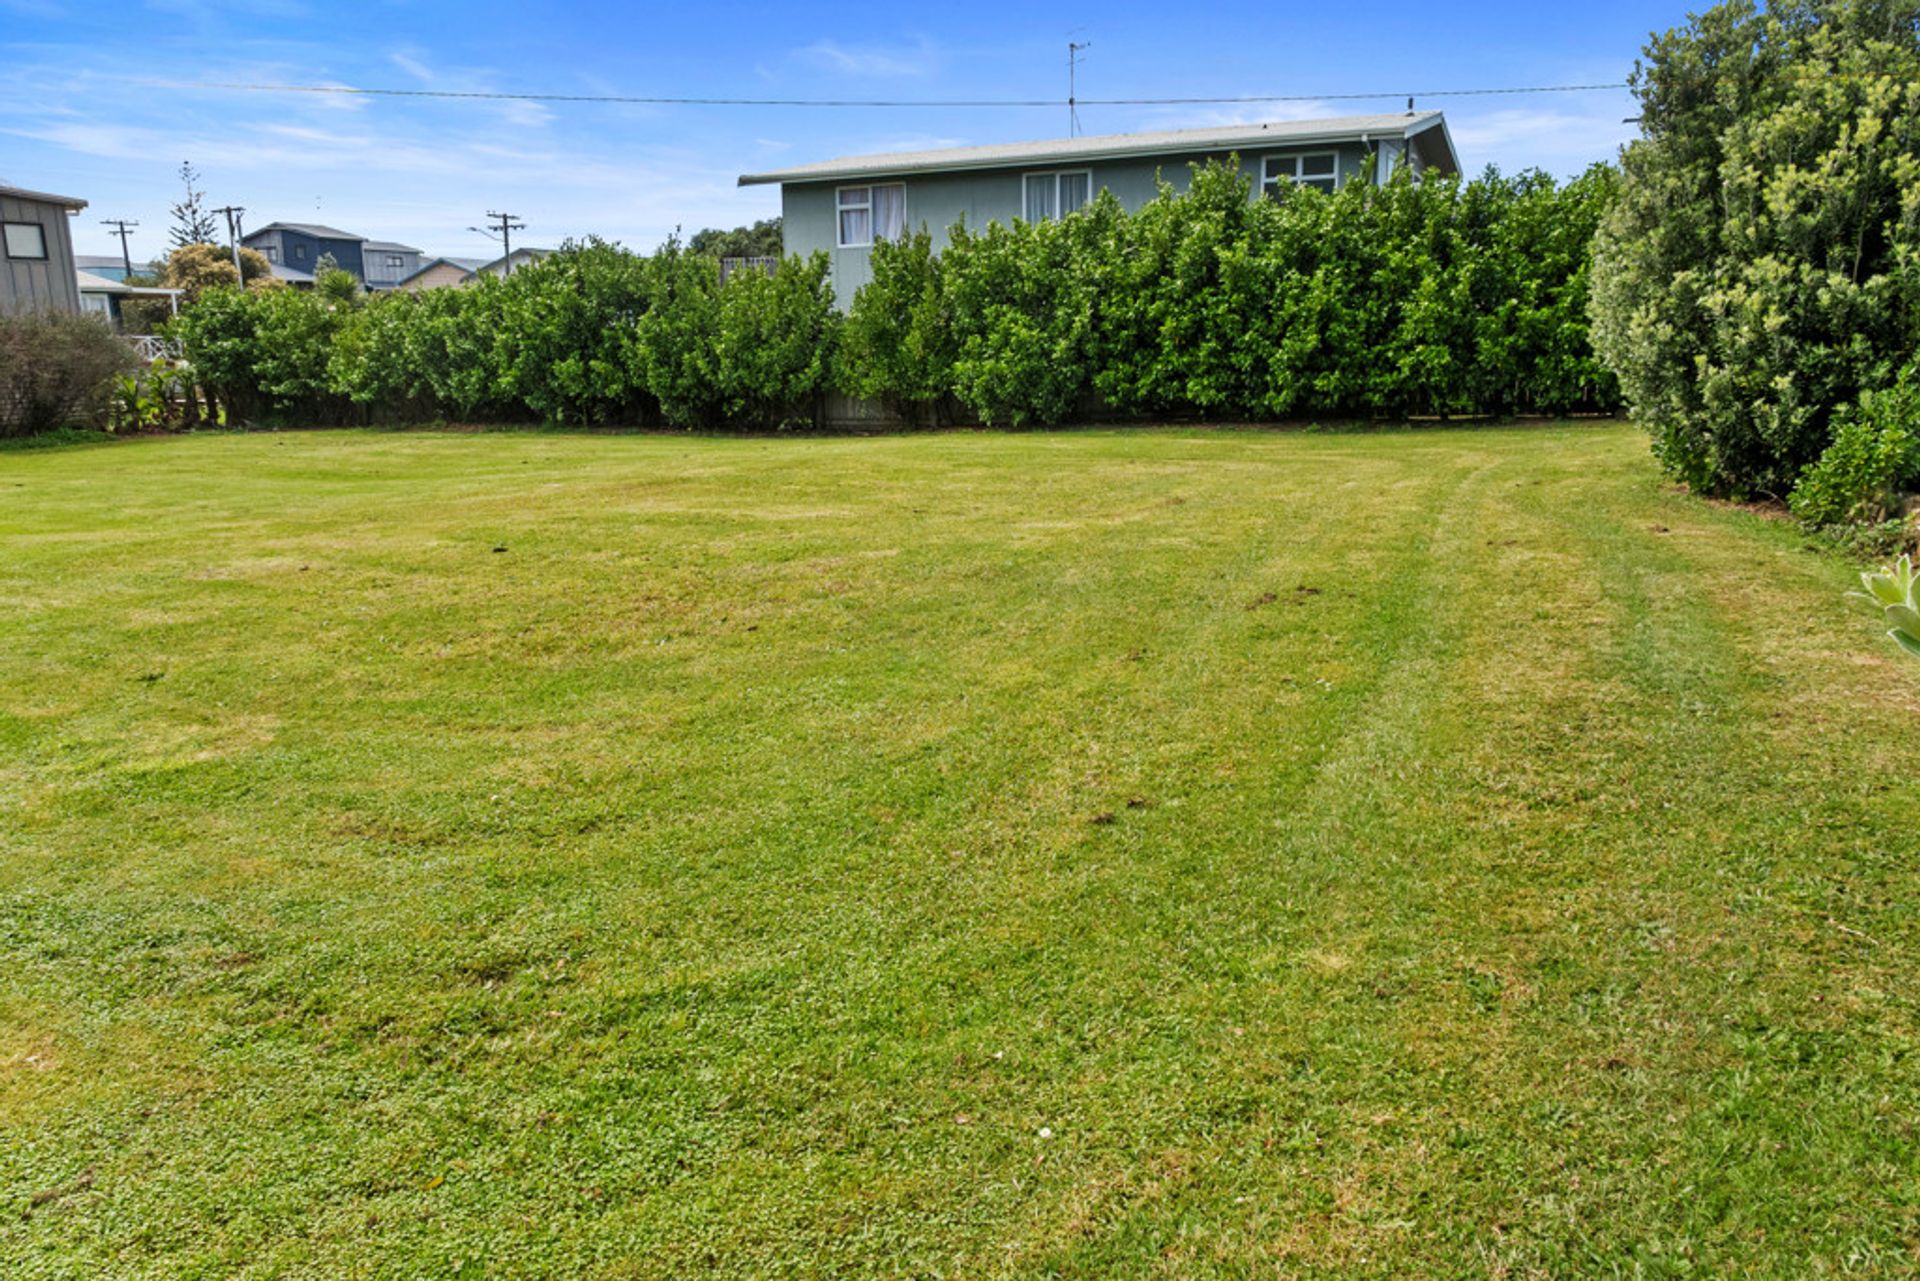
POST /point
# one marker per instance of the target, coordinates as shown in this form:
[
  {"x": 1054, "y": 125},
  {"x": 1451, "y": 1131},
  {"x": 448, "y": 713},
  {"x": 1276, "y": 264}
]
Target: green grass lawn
[{"x": 1445, "y": 853}]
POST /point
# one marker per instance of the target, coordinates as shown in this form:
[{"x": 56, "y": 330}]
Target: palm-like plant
[{"x": 1893, "y": 590}]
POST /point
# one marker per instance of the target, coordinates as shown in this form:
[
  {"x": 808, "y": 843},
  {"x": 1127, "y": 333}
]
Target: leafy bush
[
  {"x": 56, "y": 369},
  {"x": 1875, "y": 451},
  {"x": 194, "y": 269},
  {"x": 155, "y": 397},
  {"x": 1023, "y": 321},
  {"x": 1758, "y": 270},
  {"x": 774, "y": 343},
  {"x": 568, "y": 333},
  {"x": 262, "y": 354},
  {"x": 897, "y": 344},
  {"x": 1412, "y": 297},
  {"x": 678, "y": 335}
]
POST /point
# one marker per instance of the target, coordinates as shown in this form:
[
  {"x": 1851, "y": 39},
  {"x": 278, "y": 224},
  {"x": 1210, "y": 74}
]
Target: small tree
[
  {"x": 194, "y": 269},
  {"x": 677, "y": 336},
  {"x": 335, "y": 283},
  {"x": 193, "y": 222},
  {"x": 761, "y": 240}
]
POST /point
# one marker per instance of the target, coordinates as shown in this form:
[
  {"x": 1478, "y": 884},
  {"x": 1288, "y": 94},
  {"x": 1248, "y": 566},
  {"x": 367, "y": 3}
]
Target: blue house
[{"x": 299, "y": 245}]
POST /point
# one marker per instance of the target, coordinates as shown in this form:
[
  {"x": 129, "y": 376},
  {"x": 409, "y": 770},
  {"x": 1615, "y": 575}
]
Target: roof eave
[
  {"x": 72, "y": 204},
  {"x": 1180, "y": 147}
]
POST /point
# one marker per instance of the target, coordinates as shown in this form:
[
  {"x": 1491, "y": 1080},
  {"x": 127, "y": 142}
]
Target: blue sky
[{"x": 84, "y": 121}]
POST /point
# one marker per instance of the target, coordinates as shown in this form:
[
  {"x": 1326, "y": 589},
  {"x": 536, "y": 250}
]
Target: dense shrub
[
  {"x": 262, "y": 353},
  {"x": 1428, "y": 297},
  {"x": 679, "y": 334},
  {"x": 1874, "y": 455},
  {"x": 568, "y": 335},
  {"x": 1432, "y": 297},
  {"x": 1023, "y": 318},
  {"x": 1762, "y": 265},
  {"x": 897, "y": 345},
  {"x": 56, "y": 369},
  {"x": 775, "y": 342}
]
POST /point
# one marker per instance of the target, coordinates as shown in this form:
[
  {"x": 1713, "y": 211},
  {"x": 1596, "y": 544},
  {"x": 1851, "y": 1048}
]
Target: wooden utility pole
[
  {"x": 121, "y": 228},
  {"x": 233, "y": 213},
  {"x": 501, "y": 226}
]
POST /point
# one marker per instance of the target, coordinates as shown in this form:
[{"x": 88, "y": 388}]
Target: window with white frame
[
  {"x": 1319, "y": 169},
  {"x": 272, "y": 252},
  {"x": 1055, "y": 195},
  {"x": 26, "y": 240},
  {"x": 867, "y": 214}
]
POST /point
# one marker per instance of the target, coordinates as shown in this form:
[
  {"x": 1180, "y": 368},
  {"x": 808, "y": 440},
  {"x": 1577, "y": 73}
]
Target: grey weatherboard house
[
  {"x": 843, "y": 206},
  {"x": 36, "y": 251}
]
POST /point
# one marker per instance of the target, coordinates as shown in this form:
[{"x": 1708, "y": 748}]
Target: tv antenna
[{"x": 1073, "y": 67}]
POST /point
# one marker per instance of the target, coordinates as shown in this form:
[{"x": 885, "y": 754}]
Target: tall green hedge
[
  {"x": 1430, "y": 297},
  {"x": 1438, "y": 296}
]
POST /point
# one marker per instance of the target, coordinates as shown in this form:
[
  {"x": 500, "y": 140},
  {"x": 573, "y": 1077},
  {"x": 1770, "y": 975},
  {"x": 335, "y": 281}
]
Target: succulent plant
[{"x": 1893, "y": 590}]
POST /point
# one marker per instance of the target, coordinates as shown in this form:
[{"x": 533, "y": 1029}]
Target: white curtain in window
[
  {"x": 1075, "y": 191},
  {"x": 1039, "y": 197},
  {"x": 889, "y": 211},
  {"x": 856, "y": 217}
]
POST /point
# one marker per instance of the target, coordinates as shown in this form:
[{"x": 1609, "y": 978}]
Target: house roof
[
  {"x": 318, "y": 231},
  {"x": 391, "y": 247},
  {"x": 468, "y": 265},
  {"x": 73, "y": 204},
  {"x": 518, "y": 255},
  {"x": 92, "y": 284},
  {"x": 292, "y": 275},
  {"x": 1277, "y": 133}
]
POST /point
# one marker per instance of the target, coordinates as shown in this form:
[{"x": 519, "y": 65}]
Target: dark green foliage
[
  {"x": 1436, "y": 297},
  {"x": 263, "y": 354},
  {"x": 678, "y": 335},
  {"x": 775, "y": 343},
  {"x": 1875, "y": 454},
  {"x": 56, "y": 370},
  {"x": 1762, "y": 266},
  {"x": 761, "y": 240},
  {"x": 1023, "y": 319},
  {"x": 568, "y": 338},
  {"x": 897, "y": 344}
]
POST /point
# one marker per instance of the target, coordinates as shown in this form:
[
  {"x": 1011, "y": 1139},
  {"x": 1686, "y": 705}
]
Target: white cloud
[
  {"x": 1563, "y": 139},
  {"x": 869, "y": 60},
  {"x": 1219, "y": 115}
]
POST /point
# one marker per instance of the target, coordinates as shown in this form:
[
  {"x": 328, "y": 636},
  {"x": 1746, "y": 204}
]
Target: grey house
[
  {"x": 388, "y": 263},
  {"x": 843, "y": 206},
  {"x": 36, "y": 251}
]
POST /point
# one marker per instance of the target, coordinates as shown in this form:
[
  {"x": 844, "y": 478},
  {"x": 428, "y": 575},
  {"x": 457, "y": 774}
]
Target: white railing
[
  {"x": 764, "y": 265},
  {"x": 153, "y": 347}
]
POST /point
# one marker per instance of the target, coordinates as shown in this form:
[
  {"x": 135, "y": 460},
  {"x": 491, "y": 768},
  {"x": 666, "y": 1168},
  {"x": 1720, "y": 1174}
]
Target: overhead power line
[{"x": 660, "y": 100}]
